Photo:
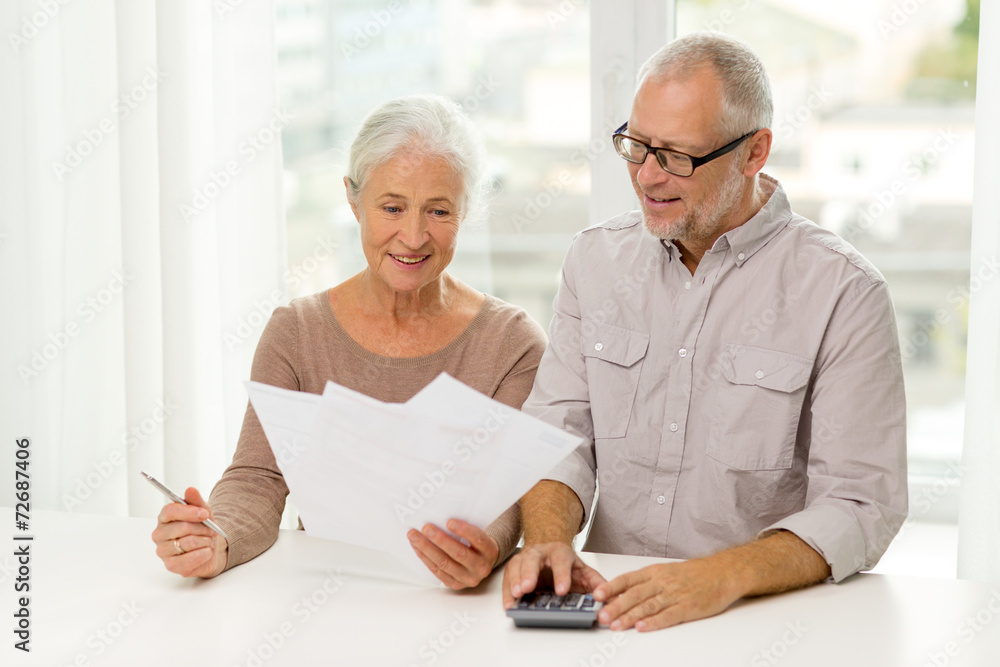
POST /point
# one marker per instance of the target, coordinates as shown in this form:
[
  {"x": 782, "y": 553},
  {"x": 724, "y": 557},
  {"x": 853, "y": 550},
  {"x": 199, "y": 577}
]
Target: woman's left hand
[{"x": 455, "y": 564}]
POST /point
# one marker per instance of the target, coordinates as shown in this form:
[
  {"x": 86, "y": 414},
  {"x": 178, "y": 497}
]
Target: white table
[{"x": 101, "y": 597}]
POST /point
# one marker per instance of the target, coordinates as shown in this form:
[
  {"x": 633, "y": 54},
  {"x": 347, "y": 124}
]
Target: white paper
[
  {"x": 290, "y": 415},
  {"x": 364, "y": 472}
]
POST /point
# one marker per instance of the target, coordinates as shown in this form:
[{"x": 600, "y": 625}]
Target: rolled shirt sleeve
[{"x": 857, "y": 497}]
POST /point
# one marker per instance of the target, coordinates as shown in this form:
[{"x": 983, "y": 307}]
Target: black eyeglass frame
[{"x": 695, "y": 161}]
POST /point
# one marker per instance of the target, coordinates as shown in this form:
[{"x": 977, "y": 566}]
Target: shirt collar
[
  {"x": 669, "y": 246},
  {"x": 752, "y": 235}
]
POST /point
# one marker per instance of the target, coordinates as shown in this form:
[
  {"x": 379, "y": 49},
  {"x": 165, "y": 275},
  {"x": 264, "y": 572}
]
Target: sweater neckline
[{"x": 350, "y": 345}]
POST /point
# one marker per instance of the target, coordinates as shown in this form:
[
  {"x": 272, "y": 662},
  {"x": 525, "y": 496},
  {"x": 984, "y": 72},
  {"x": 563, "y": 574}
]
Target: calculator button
[
  {"x": 588, "y": 602},
  {"x": 572, "y": 601}
]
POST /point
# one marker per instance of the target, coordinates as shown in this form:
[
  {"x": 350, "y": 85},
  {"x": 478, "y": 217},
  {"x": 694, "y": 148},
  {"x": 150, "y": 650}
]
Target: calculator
[{"x": 545, "y": 609}]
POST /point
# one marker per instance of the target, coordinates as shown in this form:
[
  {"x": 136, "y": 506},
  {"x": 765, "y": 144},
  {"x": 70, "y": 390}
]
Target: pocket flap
[
  {"x": 749, "y": 365},
  {"x": 612, "y": 343}
]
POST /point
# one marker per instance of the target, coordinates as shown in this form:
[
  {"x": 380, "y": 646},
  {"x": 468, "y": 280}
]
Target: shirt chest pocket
[
  {"x": 614, "y": 357},
  {"x": 757, "y": 408}
]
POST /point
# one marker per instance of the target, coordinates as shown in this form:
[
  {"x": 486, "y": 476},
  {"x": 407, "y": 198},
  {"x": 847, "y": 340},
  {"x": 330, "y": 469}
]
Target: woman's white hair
[
  {"x": 429, "y": 125},
  {"x": 746, "y": 104}
]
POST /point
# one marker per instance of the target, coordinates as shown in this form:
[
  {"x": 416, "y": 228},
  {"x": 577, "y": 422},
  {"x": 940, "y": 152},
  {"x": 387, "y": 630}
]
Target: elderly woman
[{"x": 416, "y": 172}]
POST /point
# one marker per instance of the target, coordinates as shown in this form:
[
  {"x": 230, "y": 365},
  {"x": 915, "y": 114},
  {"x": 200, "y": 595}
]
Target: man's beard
[{"x": 697, "y": 225}]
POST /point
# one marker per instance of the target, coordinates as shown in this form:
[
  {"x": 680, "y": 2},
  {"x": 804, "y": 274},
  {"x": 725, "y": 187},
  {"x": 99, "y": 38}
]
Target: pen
[{"x": 177, "y": 499}]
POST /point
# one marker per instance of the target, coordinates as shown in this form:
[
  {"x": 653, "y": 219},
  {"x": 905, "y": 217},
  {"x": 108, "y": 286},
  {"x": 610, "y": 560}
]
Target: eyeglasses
[{"x": 673, "y": 162}]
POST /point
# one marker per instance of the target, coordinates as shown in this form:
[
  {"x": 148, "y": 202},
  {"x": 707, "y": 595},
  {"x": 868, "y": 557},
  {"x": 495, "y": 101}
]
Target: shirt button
[
  {"x": 740, "y": 256},
  {"x": 598, "y": 346},
  {"x": 759, "y": 374},
  {"x": 687, "y": 285},
  {"x": 683, "y": 352},
  {"x": 673, "y": 427},
  {"x": 661, "y": 499}
]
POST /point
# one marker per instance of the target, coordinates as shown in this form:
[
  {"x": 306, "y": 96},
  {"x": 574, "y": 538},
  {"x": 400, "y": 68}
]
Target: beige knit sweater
[{"x": 303, "y": 346}]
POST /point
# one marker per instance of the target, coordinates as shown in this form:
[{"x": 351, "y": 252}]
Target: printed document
[{"x": 364, "y": 472}]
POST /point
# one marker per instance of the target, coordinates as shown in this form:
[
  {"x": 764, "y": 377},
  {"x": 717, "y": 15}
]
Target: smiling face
[
  {"x": 682, "y": 115},
  {"x": 409, "y": 210}
]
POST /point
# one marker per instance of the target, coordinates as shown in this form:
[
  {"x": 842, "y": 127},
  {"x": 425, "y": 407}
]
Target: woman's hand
[
  {"x": 455, "y": 564},
  {"x": 185, "y": 545}
]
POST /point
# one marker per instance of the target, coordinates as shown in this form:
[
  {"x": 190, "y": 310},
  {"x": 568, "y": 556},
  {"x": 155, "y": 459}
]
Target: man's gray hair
[
  {"x": 428, "y": 125},
  {"x": 747, "y": 104}
]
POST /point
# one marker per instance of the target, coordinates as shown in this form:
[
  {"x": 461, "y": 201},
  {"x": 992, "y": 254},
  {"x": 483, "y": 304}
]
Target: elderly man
[{"x": 733, "y": 368}]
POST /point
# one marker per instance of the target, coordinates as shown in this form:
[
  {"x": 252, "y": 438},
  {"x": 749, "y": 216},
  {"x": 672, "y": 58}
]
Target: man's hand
[
  {"x": 555, "y": 565},
  {"x": 551, "y": 514},
  {"x": 659, "y": 596}
]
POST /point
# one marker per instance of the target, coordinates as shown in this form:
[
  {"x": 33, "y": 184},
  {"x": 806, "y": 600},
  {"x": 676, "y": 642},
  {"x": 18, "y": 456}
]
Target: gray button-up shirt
[{"x": 764, "y": 392}]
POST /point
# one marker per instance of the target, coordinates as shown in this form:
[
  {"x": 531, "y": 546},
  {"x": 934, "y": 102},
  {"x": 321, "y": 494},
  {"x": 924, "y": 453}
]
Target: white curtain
[
  {"x": 141, "y": 240},
  {"x": 979, "y": 511}
]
